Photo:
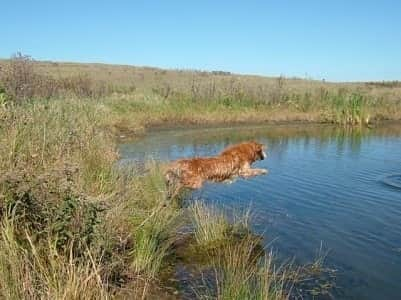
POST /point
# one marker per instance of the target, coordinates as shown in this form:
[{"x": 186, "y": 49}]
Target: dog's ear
[{"x": 259, "y": 146}]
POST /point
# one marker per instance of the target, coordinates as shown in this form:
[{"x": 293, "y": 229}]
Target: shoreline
[{"x": 128, "y": 134}]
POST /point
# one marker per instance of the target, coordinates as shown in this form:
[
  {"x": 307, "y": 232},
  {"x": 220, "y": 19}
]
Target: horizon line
[{"x": 229, "y": 73}]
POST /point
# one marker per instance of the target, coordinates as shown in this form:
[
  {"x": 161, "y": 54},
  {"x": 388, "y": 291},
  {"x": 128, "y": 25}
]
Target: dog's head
[
  {"x": 246, "y": 151},
  {"x": 259, "y": 150}
]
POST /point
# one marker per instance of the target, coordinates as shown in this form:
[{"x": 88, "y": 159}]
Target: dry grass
[{"x": 48, "y": 135}]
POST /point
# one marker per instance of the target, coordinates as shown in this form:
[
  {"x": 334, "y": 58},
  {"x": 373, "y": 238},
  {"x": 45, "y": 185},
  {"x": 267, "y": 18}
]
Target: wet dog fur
[{"x": 232, "y": 162}]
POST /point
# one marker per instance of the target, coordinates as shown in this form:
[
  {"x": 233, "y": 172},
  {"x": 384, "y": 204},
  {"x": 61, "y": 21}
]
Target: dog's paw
[
  {"x": 264, "y": 171},
  {"x": 229, "y": 181}
]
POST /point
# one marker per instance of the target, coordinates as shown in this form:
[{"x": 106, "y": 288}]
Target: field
[
  {"x": 143, "y": 97},
  {"x": 75, "y": 227}
]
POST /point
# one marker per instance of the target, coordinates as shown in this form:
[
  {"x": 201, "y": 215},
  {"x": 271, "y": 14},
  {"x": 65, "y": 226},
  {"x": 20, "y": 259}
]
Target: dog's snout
[{"x": 264, "y": 155}]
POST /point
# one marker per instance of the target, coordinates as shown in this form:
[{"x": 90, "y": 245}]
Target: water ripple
[{"x": 392, "y": 180}]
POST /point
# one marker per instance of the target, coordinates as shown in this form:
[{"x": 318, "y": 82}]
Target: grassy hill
[{"x": 151, "y": 78}]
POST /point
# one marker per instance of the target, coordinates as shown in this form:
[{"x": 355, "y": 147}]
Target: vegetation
[
  {"x": 211, "y": 226},
  {"x": 73, "y": 226},
  {"x": 243, "y": 275},
  {"x": 143, "y": 97}
]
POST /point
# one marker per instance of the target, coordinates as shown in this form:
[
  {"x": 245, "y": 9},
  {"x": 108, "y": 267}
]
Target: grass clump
[
  {"x": 153, "y": 239},
  {"x": 210, "y": 225},
  {"x": 242, "y": 268},
  {"x": 350, "y": 110},
  {"x": 48, "y": 205},
  {"x": 240, "y": 272}
]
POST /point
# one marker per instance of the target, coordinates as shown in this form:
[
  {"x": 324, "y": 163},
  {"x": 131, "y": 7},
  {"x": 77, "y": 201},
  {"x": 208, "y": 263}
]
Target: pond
[{"x": 340, "y": 188}]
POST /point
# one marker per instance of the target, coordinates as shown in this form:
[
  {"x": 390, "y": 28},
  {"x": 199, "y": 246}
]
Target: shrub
[
  {"x": 18, "y": 77},
  {"x": 47, "y": 206},
  {"x": 22, "y": 82}
]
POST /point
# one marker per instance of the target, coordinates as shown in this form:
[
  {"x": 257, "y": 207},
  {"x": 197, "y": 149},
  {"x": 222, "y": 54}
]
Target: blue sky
[{"x": 337, "y": 40}]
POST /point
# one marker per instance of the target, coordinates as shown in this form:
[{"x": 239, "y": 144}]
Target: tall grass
[
  {"x": 21, "y": 81},
  {"x": 47, "y": 135},
  {"x": 210, "y": 224},
  {"x": 155, "y": 223},
  {"x": 350, "y": 110},
  {"x": 153, "y": 239},
  {"x": 241, "y": 267},
  {"x": 33, "y": 272}
]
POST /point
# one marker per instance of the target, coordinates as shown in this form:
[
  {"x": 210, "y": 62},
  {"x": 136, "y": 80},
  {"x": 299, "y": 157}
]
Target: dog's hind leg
[
  {"x": 173, "y": 183},
  {"x": 194, "y": 183},
  {"x": 174, "y": 192}
]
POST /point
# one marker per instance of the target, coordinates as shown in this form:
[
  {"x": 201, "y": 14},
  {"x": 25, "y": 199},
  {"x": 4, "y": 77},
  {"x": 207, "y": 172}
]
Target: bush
[
  {"x": 18, "y": 77},
  {"x": 21, "y": 82},
  {"x": 48, "y": 206}
]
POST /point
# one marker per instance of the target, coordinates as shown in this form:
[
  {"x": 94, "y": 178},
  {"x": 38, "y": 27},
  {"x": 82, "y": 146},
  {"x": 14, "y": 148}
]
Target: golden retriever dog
[{"x": 232, "y": 162}]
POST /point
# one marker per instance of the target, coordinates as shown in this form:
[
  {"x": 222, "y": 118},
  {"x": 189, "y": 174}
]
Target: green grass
[
  {"x": 243, "y": 274},
  {"x": 351, "y": 110},
  {"x": 42, "y": 135},
  {"x": 155, "y": 222},
  {"x": 210, "y": 225},
  {"x": 153, "y": 240}
]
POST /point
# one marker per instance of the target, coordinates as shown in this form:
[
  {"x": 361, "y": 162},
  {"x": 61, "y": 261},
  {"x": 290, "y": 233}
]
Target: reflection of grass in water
[
  {"x": 313, "y": 279},
  {"x": 212, "y": 140}
]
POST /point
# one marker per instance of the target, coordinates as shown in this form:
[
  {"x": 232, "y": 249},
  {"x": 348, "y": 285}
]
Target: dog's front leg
[
  {"x": 257, "y": 172},
  {"x": 248, "y": 172}
]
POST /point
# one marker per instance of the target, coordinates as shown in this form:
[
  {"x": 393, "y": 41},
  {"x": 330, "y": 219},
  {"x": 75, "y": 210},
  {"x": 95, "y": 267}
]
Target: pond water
[{"x": 330, "y": 186}]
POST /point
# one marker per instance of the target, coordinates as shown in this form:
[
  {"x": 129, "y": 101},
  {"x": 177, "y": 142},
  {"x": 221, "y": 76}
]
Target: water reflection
[{"x": 171, "y": 144}]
